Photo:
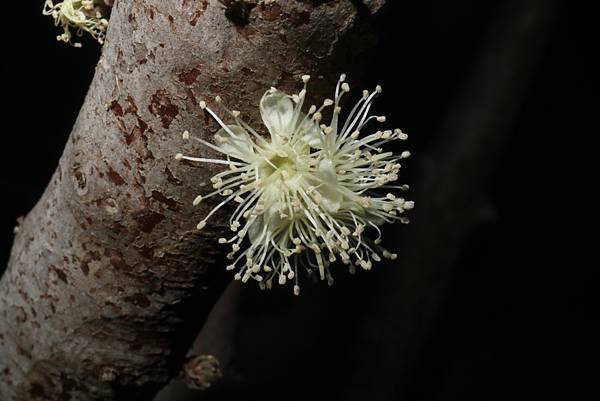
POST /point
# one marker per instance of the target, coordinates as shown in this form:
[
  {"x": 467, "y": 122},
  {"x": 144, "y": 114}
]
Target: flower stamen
[
  {"x": 79, "y": 15},
  {"x": 311, "y": 193}
]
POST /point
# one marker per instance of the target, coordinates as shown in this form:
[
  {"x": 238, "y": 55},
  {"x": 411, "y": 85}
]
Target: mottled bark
[{"x": 108, "y": 265}]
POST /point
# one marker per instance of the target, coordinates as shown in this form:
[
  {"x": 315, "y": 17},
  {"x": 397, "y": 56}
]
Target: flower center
[{"x": 279, "y": 165}]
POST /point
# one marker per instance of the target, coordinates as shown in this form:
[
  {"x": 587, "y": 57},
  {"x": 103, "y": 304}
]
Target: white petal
[
  {"x": 238, "y": 146},
  {"x": 255, "y": 230},
  {"x": 331, "y": 197},
  {"x": 311, "y": 133},
  {"x": 277, "y": 111},
  {"x": 269, "y": 219}
]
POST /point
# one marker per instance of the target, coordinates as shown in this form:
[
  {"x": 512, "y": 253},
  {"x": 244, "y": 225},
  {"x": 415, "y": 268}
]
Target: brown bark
[{"x": 108, "y": 265}]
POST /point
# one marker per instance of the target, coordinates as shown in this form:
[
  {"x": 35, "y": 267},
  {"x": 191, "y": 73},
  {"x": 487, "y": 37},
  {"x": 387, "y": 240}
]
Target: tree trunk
[{"x": 108, "y": 266}]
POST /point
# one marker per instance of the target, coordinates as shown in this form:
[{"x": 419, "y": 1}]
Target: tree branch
[{"x": 107, "y": 267}]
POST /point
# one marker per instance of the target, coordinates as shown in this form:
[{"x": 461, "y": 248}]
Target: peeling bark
[{"x": 108, "y": 265}]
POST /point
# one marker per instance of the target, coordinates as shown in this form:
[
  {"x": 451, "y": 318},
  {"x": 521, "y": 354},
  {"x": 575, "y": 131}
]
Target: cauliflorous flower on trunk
[
  {"x": 80, "y": 16},
  {"x": 308, "y": 195}
]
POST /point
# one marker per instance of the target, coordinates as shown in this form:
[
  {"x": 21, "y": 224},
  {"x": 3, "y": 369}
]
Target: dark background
[{"x": 517, "y": 319}]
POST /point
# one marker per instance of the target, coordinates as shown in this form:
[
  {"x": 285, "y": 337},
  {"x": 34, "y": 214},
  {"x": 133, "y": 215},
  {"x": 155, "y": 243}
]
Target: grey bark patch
[{"x": 199, "y": 11}]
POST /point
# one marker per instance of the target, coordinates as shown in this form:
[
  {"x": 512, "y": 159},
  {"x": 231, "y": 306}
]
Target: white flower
[
  {"x": 81, "y": 15},
  {"x": 307, "y": 196}
]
